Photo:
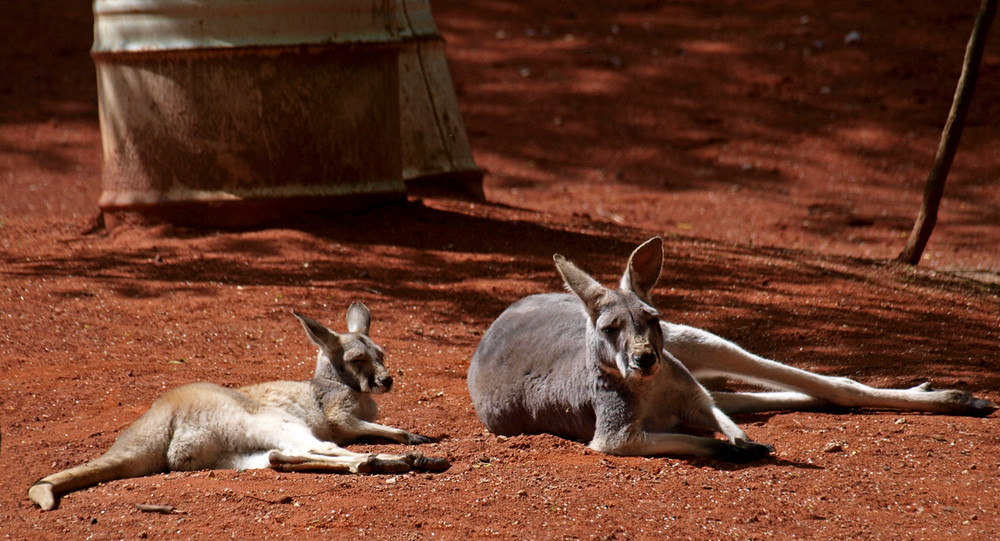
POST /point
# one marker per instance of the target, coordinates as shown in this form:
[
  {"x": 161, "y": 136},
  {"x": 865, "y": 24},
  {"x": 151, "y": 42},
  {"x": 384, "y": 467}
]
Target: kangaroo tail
[
  {"x": 140, "y": 450},
  {"x": 112, "y": 465}
]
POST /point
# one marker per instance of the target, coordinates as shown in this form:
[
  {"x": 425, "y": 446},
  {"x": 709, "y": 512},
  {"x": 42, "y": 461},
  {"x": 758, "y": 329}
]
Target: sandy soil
[{"x": 782, "y": 163}]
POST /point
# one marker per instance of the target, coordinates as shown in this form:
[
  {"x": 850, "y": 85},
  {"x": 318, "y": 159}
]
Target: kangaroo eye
[{"x": 609, "y": 331}]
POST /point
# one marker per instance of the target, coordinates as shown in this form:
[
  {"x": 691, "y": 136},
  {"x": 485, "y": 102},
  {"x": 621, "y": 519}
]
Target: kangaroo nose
[
  {"x": 644, "y": 360},
  {"x": 386, "y": 382}
]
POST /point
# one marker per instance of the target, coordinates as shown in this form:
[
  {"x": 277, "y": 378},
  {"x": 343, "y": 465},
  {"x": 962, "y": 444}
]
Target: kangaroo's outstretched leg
[
  {"x": 674, "y": 444},
  {"x": 706, "y": 355},
  {"x": 356, "y": 462}
]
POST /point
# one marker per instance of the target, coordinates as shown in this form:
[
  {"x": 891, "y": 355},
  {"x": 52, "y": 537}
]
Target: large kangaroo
[
  {"x": 285, "y": 425},
  {"x": 599, "y": 366}
]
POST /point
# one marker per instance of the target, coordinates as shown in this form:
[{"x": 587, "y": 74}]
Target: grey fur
[{"x": 578, "y": 365}]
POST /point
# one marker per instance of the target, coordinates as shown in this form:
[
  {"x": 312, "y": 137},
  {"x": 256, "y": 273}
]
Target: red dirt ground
[{"x": 783, "y": 165}]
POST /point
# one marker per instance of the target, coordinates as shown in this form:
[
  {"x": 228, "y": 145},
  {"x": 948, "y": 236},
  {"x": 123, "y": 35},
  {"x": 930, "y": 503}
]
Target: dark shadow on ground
[{"x": 750, "y": 295}]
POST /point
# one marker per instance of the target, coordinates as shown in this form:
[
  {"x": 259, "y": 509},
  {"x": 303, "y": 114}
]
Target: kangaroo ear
[
  {"x": 590, "y": 291},
  {"x": 319, "y": 334},
  {"x": 643, "y": 270},
  {"x": 359, "y": 318}
]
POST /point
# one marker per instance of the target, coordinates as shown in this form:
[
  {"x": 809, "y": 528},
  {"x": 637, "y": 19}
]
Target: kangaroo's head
[
  {"x": 351, "y": 358},
  {"x": 623, "y": 329}
]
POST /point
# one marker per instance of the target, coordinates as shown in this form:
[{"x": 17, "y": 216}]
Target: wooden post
[{"x": 950, "y": 136}]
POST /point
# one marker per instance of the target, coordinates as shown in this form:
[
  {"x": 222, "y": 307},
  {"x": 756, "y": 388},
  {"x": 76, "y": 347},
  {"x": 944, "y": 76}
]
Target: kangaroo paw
[
  {"x": 368, "y": 465},
  {"x": 744, "y": 451},
  {"x": 963, "y": 403},
  {"x": 386, "y": 464},
  {"x": 412, "y": 457},
  {"x": 418, "y": 461},
  {"x": 431, "y": 464},
  {"x": 417, "y": 439}
]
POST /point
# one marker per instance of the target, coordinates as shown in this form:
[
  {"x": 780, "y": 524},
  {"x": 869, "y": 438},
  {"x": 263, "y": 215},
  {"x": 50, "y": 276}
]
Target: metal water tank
[
  {"x": 436, "y": 150},
  {"x": 239, "y": 113}
]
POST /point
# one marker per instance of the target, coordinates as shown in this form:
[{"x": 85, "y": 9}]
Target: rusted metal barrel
[
  {"x": 239, "y": 113},
  {"x": 436, "y": 151}
]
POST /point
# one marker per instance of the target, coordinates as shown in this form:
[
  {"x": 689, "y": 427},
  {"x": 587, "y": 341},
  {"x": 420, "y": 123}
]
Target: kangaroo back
[{"x": 531, "y": 366}]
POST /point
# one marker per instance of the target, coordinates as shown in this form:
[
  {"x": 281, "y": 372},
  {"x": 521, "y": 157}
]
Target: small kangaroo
[
  {"x": 285, "y": 425},
  {"x": 600, "y": 366}
]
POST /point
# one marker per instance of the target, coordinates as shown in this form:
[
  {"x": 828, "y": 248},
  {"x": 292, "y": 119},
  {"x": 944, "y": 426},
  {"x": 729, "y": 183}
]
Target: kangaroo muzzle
[{"x": 644, "y": 360}]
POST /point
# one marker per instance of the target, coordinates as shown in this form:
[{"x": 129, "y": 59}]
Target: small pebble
[{"x": 834, "y": 447}]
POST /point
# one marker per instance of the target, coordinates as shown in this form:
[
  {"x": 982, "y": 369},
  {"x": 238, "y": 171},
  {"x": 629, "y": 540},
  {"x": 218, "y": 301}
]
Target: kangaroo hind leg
[
  {"x": 706, "y": 354},
  {"x": 364, "y": 463}
]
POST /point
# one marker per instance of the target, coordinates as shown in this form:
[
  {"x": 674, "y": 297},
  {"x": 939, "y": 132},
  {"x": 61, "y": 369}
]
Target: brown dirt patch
[{"x": 782, "y": 164}]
